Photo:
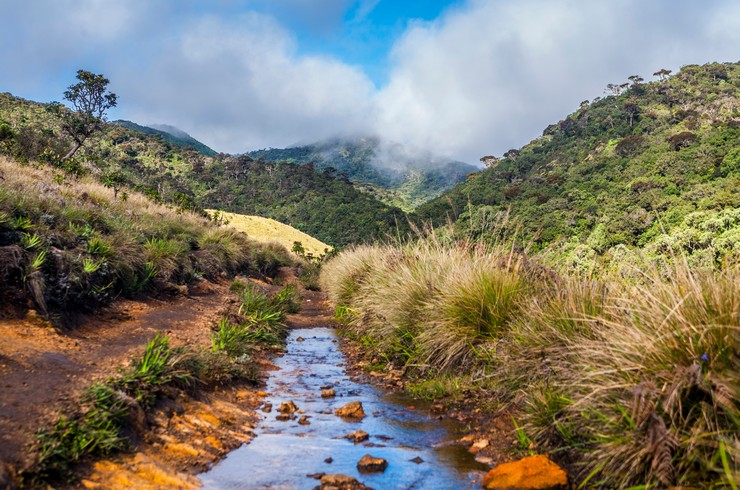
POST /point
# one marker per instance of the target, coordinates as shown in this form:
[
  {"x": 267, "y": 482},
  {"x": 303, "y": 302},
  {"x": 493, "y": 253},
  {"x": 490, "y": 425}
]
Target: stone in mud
[
  {"x": 304, "y": 420},
  {"x": 288, "y": 407},
  {"x": 370, "y": 464},
  {"x": 328, "y": 393},
  {"x": 352, "y": 410},
  {"x": 478, "y": 445},
  {"x": 530, "y": 473},
  {"x": 357, "y": 436}
]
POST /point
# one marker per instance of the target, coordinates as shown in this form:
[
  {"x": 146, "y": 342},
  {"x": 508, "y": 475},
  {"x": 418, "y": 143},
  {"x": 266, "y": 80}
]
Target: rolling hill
[
  {"x": 385, "y": 171},
  {"x": 653, "y": 165}
]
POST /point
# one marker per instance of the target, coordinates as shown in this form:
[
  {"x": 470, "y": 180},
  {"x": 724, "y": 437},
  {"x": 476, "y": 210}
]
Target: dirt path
[{"x": 43, "y": 371}]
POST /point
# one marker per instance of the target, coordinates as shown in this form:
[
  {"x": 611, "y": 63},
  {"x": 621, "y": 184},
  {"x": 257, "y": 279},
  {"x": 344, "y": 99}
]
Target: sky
[{"x": 457, "y": 78}]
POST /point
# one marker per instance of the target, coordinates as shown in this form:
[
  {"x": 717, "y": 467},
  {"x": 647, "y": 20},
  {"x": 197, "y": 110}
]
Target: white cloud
[
  {"x": 239, "y": 85},
  {"x": 490, "y": 76}
]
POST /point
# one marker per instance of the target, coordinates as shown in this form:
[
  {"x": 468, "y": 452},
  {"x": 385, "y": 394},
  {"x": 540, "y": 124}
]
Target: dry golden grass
[
  {"x": 266, "y": 230},
  {"x": 637, "y": 380}
]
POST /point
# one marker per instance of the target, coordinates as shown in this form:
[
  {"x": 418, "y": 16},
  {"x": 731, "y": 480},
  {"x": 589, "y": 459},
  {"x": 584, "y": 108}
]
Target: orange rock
[
  {"x": 530, "y": 473},
  {"x": 352, "y": 410}
]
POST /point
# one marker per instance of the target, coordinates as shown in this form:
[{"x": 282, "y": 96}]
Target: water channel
[{"x": 416, "y": 444}]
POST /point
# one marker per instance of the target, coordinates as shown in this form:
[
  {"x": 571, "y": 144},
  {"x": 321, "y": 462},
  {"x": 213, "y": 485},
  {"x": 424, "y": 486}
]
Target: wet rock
[
  {"x": 267, "y": 407},
  {"x": 304, "y": 420},
  {"x": 340, "y": 482},
  {"x": 370, "y": 464},
  {"x": 417, "y": 460},
  {"x": 284, "y": 417},
  {"x": 530, "y": 473},
  {"x": 329, "y": 393},
  {"x": 329, "y": 460},
  {"x": 357, "y": 436},
  {"x": 439, "y": 408},
  {"x": 316, "y": 476},
  {"x": 300, "y": 339},
  {"x": 327, "y": 387},
  {"x": 288, "y": 407},
  {"x": 352, "y": 410},
  {"x": 484, "y": 459},
  {"x": 478, "y": 445},
  {"x": 467, "y": 440}
]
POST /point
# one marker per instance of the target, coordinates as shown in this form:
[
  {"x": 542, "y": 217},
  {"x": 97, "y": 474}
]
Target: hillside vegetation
[
  {"x": 627, "y": 382},
  {"x": 321, "y": 204},
  {"x": 169, "y": 134},
  {"x": 68, "y": 244},
  {"x": 389, "y": 174},
  {"x": 588, "y": 287},
  {"x": 656, "y": 166}
]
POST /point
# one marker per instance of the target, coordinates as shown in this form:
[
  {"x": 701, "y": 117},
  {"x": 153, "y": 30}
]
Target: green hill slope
[
  {"x": 625, "y": 169},
  {"x": 388, "y": 173},
  {"x": 321, "y": 204},
  {"x": 169, "y": 134}
]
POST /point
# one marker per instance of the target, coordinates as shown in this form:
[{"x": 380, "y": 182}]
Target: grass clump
[
  {"x": 81, "y": 245},
  {"x": 106, "y": 420},
  {"x": 260, "y": 321},
  {"x": 632, "y": 378}
]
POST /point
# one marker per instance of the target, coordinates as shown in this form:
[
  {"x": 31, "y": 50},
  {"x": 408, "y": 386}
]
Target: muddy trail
[{"x": 43, "y": 371}]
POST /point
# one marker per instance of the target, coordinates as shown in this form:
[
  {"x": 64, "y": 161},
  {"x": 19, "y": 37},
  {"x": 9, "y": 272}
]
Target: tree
[
  {"x": 662, "y": 73},
  {"x": 90, "y": 100}
]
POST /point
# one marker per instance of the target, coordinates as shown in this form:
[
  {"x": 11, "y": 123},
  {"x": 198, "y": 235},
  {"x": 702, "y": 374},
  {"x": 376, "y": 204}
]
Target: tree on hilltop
[{"x": 90, "y": 100}]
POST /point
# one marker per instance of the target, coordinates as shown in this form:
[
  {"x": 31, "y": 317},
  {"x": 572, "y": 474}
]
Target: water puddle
[{"x": 284, "y": 453}]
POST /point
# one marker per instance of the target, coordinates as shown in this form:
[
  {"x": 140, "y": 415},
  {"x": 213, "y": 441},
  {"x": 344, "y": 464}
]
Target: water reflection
[{"x": 284, "y": 453}]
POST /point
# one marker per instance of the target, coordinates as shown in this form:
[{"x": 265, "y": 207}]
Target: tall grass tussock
[
  {"x": 631, "y": 379},
  {"x": 70, "y": 242}
]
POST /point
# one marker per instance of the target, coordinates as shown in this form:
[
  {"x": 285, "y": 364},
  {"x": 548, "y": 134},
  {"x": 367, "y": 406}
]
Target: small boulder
[
  {"x": 370, "y": 464},
  {"x": 530, "y": 473},
  {"x": 267, "y": 407},
  {"x": 417, "y": 460},
  {"x": 352, "y": 410},
  {"x": 478, "y": 445},
  {"x": 304, "y": 420},
  {"x": 328, "y": 393},
  {"x": 284, "y": 417},
  {"x": 357, "y": 436},
  {"x": 288, "y": 407},
  {"x": 340, "y": 482},
  {"x": 329, "y": 460}
]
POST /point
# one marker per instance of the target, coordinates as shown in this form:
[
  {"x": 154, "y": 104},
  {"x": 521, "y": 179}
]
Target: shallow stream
[{"x": 283, "y": 453}]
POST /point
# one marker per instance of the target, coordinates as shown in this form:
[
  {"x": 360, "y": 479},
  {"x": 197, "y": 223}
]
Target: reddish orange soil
[{"x": 42, "y": 371}]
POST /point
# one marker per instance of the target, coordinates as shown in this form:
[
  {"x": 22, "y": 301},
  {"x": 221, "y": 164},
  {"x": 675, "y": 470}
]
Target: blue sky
[{"x": 459, "y": 79}]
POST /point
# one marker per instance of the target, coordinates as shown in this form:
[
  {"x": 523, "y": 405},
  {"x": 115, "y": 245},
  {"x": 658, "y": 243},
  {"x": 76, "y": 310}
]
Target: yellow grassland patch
[{"x": 268, "y": 230}]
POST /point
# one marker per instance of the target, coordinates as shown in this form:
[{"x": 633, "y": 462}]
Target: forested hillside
[
  {"x": 629, "y": 168},
  {"x": 169, "y": 134},
  {"x": 387, "y": 172},
  {"x": 321, "y": 204}
]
